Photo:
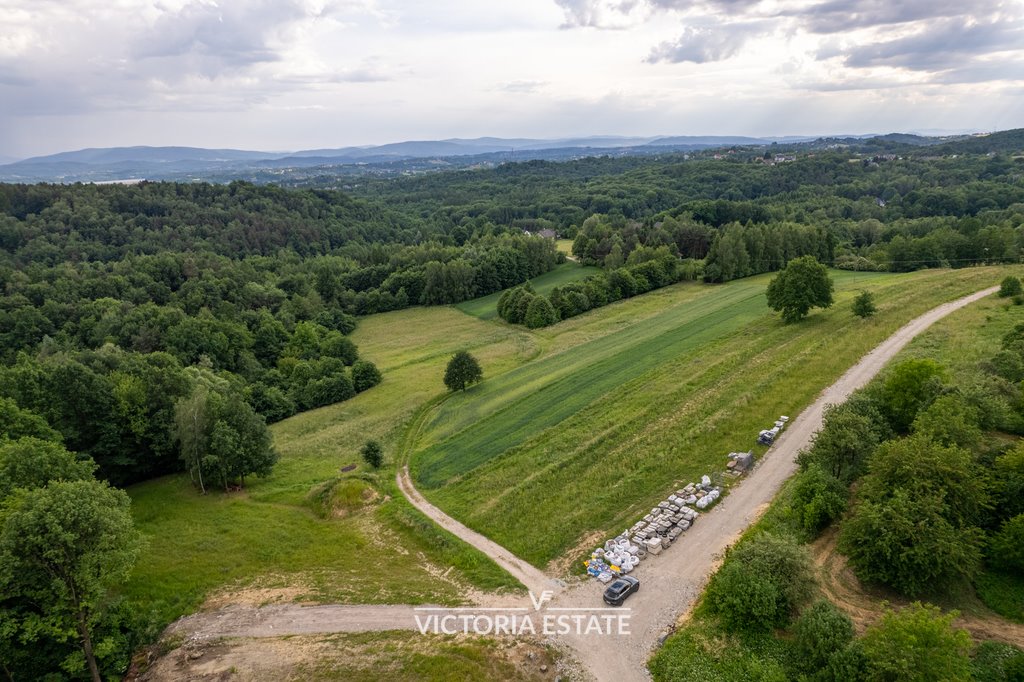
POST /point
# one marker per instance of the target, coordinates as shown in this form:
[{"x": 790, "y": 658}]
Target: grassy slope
[
  {"x": 269, "y": 532},
  {"x": 959, "y": 342},
  {"x": 486, "y": 307},
  {"x": 690, "y": 383}
]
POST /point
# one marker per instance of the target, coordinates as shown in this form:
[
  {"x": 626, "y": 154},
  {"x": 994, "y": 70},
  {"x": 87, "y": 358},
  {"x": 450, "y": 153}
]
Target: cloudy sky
[{"x": 294, "y": 74}]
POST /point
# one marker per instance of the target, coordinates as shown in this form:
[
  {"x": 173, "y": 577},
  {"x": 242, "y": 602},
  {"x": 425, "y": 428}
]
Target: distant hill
[
  {"x": 1003, "y": 142},
  {"x": 195, "y": 163},
  {"x": 108, "y": 155}
]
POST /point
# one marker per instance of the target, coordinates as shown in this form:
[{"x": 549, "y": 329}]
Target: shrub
[
  {"x": 761, "y": 584},
  {"x": 819, "y": 498},
  {"x": 373, "y": 454},
  {"x": 364, "y": 375},
  {"x": 821, "y": 632},
  {"x": 864, "y": 305},
  {"x": 1010, "y": 286},
  {"x": 919, "y": 644},
  {"x": 1006, "y": 548},
  {"x": 540, "y": 313}
]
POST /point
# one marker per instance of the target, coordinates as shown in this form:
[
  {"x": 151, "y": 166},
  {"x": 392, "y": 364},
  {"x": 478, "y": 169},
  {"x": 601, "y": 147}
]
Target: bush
[
  {"x": 819, "y": 498},
  {"x": 910, "y": 387},
  {"x": 364, "y": 375},
  {"x": 905, "y": 542},
  {"x": 844, "y": 443},
  {"x": 1010, "y": 286},
  {"x": 373, "y": 454},
  {"x": 919, "y": 644},
  {"x": 864, "y": 305},
  {"x": 821, "y": 632},
  {"x": 761, "y": 584},
  {"x": 540, "y": 313},
  {"x": 1006, "y": 547}
]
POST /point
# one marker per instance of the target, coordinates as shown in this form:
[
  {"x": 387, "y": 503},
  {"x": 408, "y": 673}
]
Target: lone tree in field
[
  {"x": 372, "y": 454},
  {"x": 864, "y": 305},
  {"x": 803, "y": 284},
  {"x": 463, "y": 370}
]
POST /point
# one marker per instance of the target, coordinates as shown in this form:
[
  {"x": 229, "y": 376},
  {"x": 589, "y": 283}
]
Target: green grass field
[
  {"x": 673, "y": 380},
  {"x": 269, "y": 535},
  {"x": 959, "y": 342},
  {"x": 620, "y": 408},
  {"x": 486, "y": 307}
]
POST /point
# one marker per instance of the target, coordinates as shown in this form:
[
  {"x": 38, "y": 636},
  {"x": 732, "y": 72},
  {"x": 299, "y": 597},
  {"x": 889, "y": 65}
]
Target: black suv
[{"x": 619, "y": 590}]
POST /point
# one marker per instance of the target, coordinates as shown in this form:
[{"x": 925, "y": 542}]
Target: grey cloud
[
  {"x": 217, "y": 38},
  {"x": 837, "y": 16},
  {"x": 940, "y": 45},
  {"x": 707, "y": 44}
]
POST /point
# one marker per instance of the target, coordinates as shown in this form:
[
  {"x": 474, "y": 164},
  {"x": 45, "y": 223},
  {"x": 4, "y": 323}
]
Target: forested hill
[
  {"x": 120, "y": 302},
  {"x": 125, "y": 306}
]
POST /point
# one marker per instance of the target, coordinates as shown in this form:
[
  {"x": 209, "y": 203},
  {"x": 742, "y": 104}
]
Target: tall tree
[
  {"x": 803, "y": 284},
  {"x": 64, "y": 546},
  {"x": 463, "y": 370}
]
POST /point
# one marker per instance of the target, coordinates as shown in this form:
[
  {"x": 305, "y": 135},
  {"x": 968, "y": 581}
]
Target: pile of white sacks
[{"x": 654, "y": 533}]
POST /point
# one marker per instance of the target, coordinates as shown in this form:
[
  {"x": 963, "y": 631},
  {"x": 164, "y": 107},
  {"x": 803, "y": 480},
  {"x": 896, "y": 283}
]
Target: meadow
[
  {"x": 578, "y": 426},
  {"x": 271, "y": 536},
  {"x": 619, "y": 409}
]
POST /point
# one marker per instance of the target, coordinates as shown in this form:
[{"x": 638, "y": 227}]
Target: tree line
[{"x": 646, "y": 269}]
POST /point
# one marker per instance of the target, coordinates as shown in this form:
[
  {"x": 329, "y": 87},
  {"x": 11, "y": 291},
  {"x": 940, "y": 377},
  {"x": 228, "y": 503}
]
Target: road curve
[{"x": 671, "y": 582}]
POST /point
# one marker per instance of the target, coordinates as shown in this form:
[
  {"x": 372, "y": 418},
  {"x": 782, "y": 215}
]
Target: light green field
[
  {"x": 629, "y": 400},
  {"x": 486, "y": 307},
  {"x": 269, "y": 536}
]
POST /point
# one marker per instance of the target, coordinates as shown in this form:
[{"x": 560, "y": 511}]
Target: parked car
[{"x": 620, "y": 590}]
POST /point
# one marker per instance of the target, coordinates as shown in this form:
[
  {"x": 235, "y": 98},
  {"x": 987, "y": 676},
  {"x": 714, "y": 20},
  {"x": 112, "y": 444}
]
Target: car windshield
[{"x": 618, "y": 586}]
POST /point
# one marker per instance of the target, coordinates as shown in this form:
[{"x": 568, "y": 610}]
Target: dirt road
[{"x": 670, "y": 582}]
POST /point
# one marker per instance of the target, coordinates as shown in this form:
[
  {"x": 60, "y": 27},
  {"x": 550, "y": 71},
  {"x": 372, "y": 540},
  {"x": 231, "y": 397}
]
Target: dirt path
[
  {"x": 533, "y": 578},
  {"x": 864, "y": 605},
  {"x": 671, "y": 582}
]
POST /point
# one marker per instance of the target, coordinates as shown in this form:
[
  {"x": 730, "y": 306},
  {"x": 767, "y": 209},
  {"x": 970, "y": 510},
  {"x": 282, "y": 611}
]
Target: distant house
[{"x": 547, "y": 233}]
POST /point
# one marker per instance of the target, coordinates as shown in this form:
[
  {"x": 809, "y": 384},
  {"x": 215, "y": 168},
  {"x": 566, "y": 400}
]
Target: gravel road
[{"x": 670, "y": 583}]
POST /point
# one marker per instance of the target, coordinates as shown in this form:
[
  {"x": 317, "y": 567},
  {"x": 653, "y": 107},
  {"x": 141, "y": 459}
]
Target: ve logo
[{"x": 538, "y": 602}]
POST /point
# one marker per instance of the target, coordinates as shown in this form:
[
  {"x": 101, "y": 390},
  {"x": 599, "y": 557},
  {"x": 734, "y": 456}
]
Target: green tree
[
  {"x": 1006, "y": 547},
  {"x": 193, "y": 421},
  {"x": 1010, "y": 286},
  {"x": 63, "y": 548},
  {"x": 463, "y": 370},
  {"x": 909, "y": 387},
  {"x": 364, "y": 375},
  {"x": 917, "y": 644},
  {"x": 844, "y": 443},
  {"x": 540, "y": 313},
  {"x": 32, "y": 463},
  {"x": 803, "y": 284},
  {"x": 949, "y": 420},
  {"x": 821, "y": 632},
  {"x": 819, "y": 498},
  {"x": 373, "y": 454},
  {"x": 762, "y": 583},
  {"x": 906, "y": 542},
  {"x": 16, "y": 422},
  {"x": 864, "y": 305}
]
